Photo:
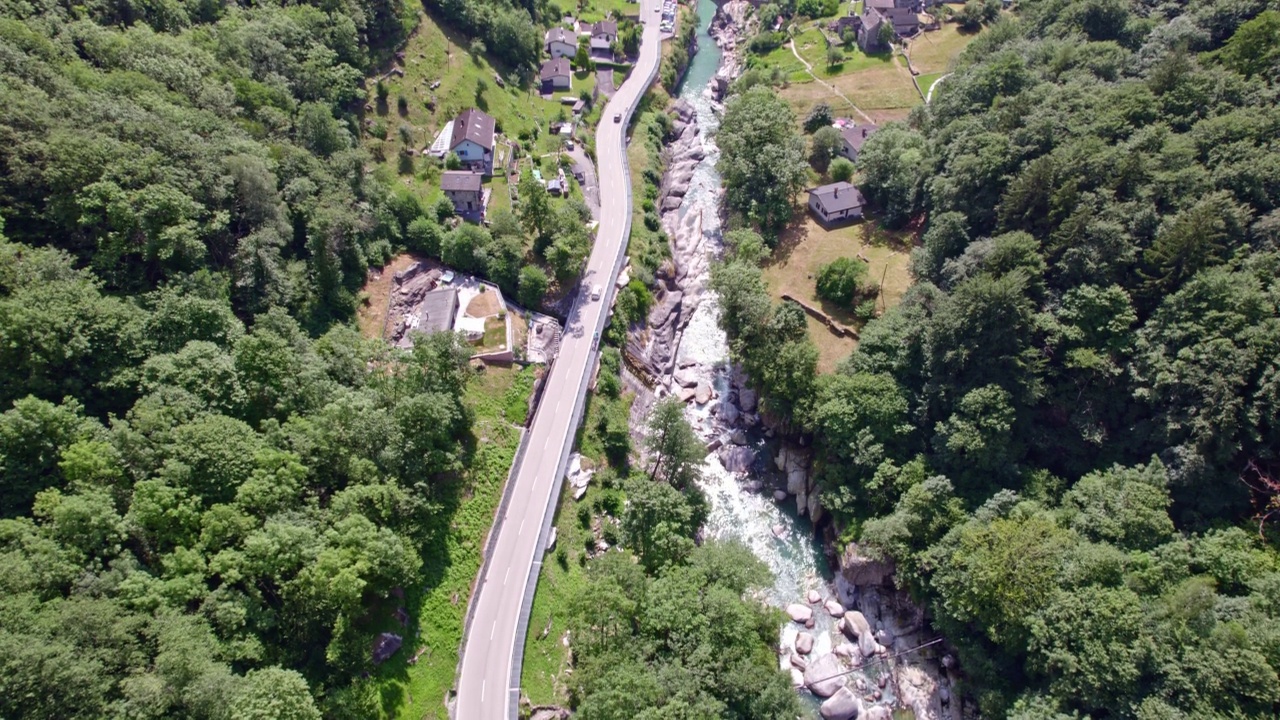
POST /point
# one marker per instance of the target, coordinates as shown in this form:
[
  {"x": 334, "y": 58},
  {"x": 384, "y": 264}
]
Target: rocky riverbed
[{"x": 851, "y": 644}]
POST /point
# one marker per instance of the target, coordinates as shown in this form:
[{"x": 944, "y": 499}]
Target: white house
[
  {"x": 854, "y": 136},
  {"x": 836, "y": 202},
  {"x": 472, "y": 140},
  {"x": 603, "y": 34},
  {"x": 556, "y": 75},
  {"x": 559, "y": 43}
]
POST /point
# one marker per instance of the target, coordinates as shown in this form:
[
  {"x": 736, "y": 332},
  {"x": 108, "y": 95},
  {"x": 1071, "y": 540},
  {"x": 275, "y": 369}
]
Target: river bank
[{"x": 759, "y": 483}]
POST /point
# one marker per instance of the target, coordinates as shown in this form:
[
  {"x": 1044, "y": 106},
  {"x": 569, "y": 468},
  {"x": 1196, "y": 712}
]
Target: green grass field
[
  {"x": 497, "y": 396},
  {"x": 927, "y": 81},
  {"x": 562, "y": 578},
  {"x": 593, "y": 10}
]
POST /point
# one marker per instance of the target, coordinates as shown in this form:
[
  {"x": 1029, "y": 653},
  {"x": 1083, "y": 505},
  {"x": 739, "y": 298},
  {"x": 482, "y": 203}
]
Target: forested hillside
[
  {"x": 1066, "y": 436},
  {"x": 169, "y": 142},
  {"x": 213, "y": 492}
]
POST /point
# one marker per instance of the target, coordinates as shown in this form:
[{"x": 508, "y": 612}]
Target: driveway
[
  {"x": 590, "y": 186},
  {"x": 604, "y": 82}
]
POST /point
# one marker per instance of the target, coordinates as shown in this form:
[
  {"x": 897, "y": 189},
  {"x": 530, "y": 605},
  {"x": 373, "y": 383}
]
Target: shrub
[
  {"x": 423, "y": 235},
  {"x": 841, "y": 170},
  {"x": 532, "y": 288},
  {"x": 443, "y": 209},
  {"x": 840, "y": 280}
]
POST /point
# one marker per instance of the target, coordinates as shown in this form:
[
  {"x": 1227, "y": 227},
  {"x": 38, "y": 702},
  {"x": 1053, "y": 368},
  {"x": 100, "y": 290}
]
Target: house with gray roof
[
  {"x": 465, "y": 189},
  {"x": 603, "y": 34},
  {"x": 559, "y": 43},
  {"x": 836, "y": 203},
  {"x": 902, "y": 16},
  {"x": 437, "y": 311},
  {"x": 556, "y": 75},
  {"x": 854, "y": 136}
]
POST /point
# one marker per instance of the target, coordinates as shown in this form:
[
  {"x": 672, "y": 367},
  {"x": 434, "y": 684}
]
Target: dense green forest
[
  {"x": 1066, "y": 435},
  {"x": 213, "y": 492}
]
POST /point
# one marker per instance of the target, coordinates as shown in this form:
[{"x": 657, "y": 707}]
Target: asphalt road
[{"x": 487, "y": 686}]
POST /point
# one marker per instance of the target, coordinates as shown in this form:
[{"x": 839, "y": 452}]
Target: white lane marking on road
[
  {"x": 508, "y": 575},
  {"x": 521, "y": 533},
  {"x": 482, "y": 684},
  {"x": 493, "y": 630}
]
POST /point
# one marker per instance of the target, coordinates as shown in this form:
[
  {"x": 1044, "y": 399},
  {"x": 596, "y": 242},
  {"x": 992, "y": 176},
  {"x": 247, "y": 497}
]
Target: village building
[
  {"x": 438, "y": 310},
  {"x": 466, "y": 190},
  {"x": 854, "y": 136},
  {"x": 836, "y": 203},
  {"x": 603, "y": 35},
  {"x": 848, "y": 23},
  {"x": 470, "y": 137},
  {"x": 559, "y": 43},
  {"x": 901, "y": 16},
  {"x": 556, "y": 75}
]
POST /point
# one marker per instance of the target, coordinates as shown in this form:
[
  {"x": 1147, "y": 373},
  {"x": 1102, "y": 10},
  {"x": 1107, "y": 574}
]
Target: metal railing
[
  {"x": 531, "y": 585},
  {"x": 504, "y": 503}
]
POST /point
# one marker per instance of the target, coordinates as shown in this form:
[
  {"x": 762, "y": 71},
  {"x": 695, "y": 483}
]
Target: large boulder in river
[
  {"x": 824, "y": 676},
  {"x": 747, "y": 399},
  {"x": 686, "y": 377},
  {"x": 834, "y": 608},
  {"x": 844, "y": 705},
  {"x": 804, "y": 643},
  {"x": 737, "y": 458},
  {"x": 846, "y": 650},
  {"x": 877, "y": 712},
  {"x": 856, "y": 625},
  {"x": 799, "y": 613},
  {"x": 798, "y": 483},
  {"x": 867, "y": 645},
  {"x": 703, "y": 394}
]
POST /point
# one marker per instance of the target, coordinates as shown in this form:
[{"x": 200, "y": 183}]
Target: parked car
[
  {"x": 617, "y": 117},
  {"x": 596, "y": 292}
]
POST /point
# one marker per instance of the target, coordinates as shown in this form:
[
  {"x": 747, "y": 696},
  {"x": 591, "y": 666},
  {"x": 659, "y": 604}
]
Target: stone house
[{"x": 465, "y": 189}]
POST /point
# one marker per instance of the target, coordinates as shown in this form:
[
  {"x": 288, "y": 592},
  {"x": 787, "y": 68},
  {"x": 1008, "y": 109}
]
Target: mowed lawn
[
  {"x": 879, "y": 84},
  {"x": 934, "y": 52},
  {"x": 806, "y": 246}
]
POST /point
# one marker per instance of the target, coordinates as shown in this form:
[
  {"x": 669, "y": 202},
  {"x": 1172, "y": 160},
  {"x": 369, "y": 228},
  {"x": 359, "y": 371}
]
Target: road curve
[{"x": 488, "y": 685}]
